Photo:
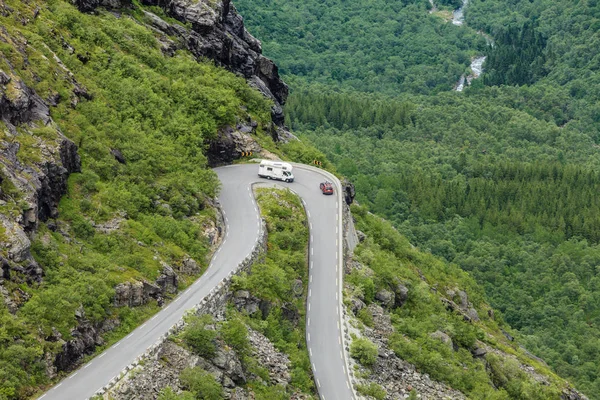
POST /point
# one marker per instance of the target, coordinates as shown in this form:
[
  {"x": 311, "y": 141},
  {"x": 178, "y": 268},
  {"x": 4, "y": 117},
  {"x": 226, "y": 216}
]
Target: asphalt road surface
[{"x": 324, "y": 329}]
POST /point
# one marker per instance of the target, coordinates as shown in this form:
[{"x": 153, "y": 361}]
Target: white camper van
[{"x": 276, "y": 170}]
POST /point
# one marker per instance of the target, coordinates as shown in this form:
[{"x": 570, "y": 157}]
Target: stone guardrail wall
[{"x": 215, "y": 299}]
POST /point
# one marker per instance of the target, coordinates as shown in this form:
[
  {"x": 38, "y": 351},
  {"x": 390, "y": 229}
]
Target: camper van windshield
[{"x": 286, "y": 173}]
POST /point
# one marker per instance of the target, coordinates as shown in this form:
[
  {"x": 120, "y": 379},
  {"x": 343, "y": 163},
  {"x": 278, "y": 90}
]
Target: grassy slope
[{"x": 157, "y": 111}]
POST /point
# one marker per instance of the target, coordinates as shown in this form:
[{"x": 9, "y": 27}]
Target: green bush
[
  {"x": 235, "y": 334},
  {"x": 364, "y": 351},
  {"x": 199, "y": 338},
  {"x": 373, "y": 390},
  {"x": 201, "y": 383},
  {"x": 366, "y": 317},
  {"x": 168, "y": 394}
]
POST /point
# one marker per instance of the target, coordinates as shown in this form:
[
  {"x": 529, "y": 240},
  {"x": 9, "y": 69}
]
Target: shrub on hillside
[{"x": 364, "y": 351}]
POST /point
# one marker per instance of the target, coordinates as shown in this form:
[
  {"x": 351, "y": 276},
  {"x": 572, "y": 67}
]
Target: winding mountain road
[{"x": 323, "y": 324}]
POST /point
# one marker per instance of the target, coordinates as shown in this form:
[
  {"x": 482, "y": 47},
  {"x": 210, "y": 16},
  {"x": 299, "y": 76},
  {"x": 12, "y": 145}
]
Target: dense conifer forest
[{"x": 501, "y": 179}]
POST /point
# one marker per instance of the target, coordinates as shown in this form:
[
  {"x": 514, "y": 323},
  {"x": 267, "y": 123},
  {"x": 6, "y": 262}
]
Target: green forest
[{"x": 500, "y": 179}]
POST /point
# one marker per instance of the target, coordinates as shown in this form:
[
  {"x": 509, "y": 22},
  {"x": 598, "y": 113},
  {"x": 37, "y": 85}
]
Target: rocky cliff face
[
  {"x": 217, "y": 32},
  {"x": 35, "y": 161}
]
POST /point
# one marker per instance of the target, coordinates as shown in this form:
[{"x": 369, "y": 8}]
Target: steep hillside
[
  {"x": 128, "y": 112},
  {"x": 111, "y": 114}
]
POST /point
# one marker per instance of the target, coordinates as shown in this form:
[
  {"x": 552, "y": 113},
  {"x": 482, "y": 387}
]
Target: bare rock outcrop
[
  {"x": 231, "y": 142},
  {"x": 348, "y": 191},
  {"x": 462, "y": 305},
  {"x": 84, "y": 339},
  {"x": 167, "y": 281},
  {"x": 134, "y": 294}
]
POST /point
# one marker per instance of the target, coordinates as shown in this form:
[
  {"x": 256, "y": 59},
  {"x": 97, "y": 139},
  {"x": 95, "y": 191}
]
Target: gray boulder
[
  {"x": 473, "y": 314},
  {"x": 357, "y": 305},
  {"x": 386, "y": 298},
  {"x": 230, "y": 366},
  {"x": 189, "y": 266},
  {"x": 167, "y": 281},
  {"x": 401, "y": 292},
  {"x": 442, "y": 337},
  {"x": 361, "y": 236}
]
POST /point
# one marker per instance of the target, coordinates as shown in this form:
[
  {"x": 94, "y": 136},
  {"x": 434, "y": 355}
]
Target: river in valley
[
  {"x": 476, "y": 71},
  {"x": 458, "y": 16},
  {"x": 458, "y": 19}
]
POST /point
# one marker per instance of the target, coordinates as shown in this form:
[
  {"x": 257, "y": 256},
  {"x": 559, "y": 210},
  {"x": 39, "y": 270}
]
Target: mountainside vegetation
[
  {"x": 500, "y": 179},
  {"x": 157, "y": 112},
  {"x": 385, "y": 47},
  {"x": 281, "y": 317},
  {"x": 458, "y": 340}
]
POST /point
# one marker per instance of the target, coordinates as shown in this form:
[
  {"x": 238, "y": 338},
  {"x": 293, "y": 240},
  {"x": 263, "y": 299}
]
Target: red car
[{"x": 326, "y": 187}]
